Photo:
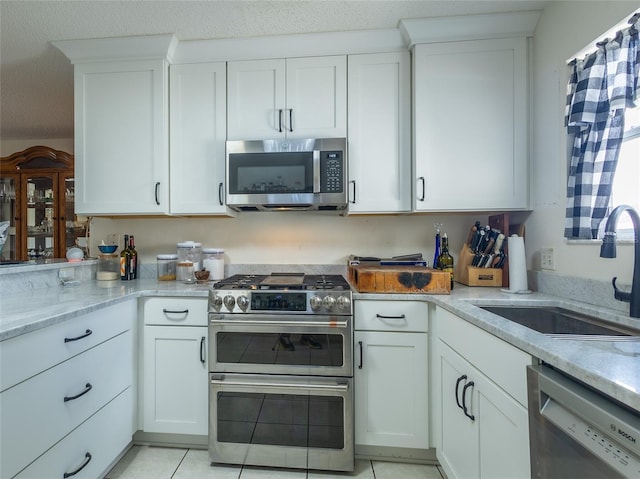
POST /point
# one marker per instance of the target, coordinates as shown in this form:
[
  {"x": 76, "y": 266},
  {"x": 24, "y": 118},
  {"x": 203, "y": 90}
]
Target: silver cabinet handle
[
  {"x": 169, "y": 311},
  {"x": 220, "y": 191},
  {"x": 291, "y": 119},
  {"x": 353, "y": 182},
  {"x": 280, "y": 120},
  {"x": 157, "y": 192}
]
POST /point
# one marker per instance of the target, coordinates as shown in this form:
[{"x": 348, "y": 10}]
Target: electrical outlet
[{"x": 547, "y": 260}]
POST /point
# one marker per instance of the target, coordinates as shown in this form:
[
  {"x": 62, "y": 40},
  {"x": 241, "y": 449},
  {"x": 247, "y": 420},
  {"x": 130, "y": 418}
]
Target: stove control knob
[
  {"x": 328, "y": 302},
  {"x": 229, "y": 302},
  {"x": 216, "y": 301},
  {"x": 343, "y": 303},
  {"x": 243, "y": 302},
  {"x": 315, "y": 302}
]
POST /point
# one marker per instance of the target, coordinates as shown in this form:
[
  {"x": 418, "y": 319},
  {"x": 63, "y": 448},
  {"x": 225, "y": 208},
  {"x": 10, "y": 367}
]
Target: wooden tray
[{"x": 399, "y": 279}]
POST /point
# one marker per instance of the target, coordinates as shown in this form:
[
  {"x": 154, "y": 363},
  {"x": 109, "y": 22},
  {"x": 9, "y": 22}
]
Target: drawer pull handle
[
  {"x": 470, "y": 384},
  {"x": 169, "y": 311},
  {"x": 461, "y": 378},
  {"x": 88, "y": 332},
  {"x": 360, "y": 344},
  {"x": 382, "y": 316},
  {"x": 157, "y": 191},
  {"x": 88, "y": 388},
  {"x": 202, "y": 359},
  {"x": 86, "y": 462}
]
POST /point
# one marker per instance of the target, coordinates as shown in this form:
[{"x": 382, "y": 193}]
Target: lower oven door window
[
  {"x": 318, "y": 348},
  {"x": 282, "y": 421}
]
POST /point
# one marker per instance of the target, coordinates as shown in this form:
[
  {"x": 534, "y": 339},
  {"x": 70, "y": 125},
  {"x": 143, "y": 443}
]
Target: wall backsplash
[{"x": 290, "y": 237}]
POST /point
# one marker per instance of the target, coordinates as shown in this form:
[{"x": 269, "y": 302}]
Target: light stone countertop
[{"x": 612, "y": 367}]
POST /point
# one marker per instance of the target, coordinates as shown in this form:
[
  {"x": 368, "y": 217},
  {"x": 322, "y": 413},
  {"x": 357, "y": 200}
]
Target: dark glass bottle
[
  {"x": 445, "y": 260},
  {"x": 133, "y": 259},
  {"x": 436, "y": 254},
  {"x": 125, "y": 262}
]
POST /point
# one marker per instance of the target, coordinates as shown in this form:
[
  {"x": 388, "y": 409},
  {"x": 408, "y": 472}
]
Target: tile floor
[{"x": 142, "y": 462}]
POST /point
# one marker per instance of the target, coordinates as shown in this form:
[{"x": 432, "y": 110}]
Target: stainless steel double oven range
[{"x": 281, "y": 371}]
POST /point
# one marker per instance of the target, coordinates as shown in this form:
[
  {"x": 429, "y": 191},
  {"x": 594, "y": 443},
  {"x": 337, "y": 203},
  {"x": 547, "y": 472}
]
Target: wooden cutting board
[{"x": 399, "y": 279}]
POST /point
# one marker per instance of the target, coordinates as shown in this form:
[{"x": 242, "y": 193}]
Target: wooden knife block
[{"x": 470, "y": 275}]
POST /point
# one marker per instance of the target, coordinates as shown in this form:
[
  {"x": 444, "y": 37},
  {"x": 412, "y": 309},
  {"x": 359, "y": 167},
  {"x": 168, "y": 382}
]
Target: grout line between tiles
[{"x": 179, "y": 463}]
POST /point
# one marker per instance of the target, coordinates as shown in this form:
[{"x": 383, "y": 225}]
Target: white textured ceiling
[{"x": 36, "y": 79}]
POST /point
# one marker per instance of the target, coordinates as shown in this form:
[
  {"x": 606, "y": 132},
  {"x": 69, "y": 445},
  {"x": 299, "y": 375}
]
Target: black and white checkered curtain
[{"x": 601, "y": 86}]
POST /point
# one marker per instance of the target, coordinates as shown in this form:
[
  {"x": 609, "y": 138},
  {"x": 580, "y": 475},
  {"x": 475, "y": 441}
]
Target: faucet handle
[{"x": 620, "y": 295}]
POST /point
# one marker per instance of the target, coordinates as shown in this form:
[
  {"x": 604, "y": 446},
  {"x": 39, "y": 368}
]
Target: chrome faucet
[{"x": 608, "y": 250}]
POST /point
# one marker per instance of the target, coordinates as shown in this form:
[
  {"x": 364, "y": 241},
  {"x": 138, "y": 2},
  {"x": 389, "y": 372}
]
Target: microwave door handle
[{"x": 316, "y": 171}]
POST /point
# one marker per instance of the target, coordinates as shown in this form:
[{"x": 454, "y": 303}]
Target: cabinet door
[
  {"x": 458, "y": 452},
  {"x": 198, "y": 109},
  {"x": 390, "y": 374},
  {"x": 121, "y": 137},
  {"x": 256, "y": 99},
  {"x": 316, "y": 104},
  {"x": 470, "y": 128},
  {"x": 175, "y": 380},
  {"x": 379, "y": 133}
]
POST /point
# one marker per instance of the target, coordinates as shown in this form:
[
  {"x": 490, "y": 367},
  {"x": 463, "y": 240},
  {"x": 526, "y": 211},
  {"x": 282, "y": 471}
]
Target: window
[{"x": 626, "y": 183}]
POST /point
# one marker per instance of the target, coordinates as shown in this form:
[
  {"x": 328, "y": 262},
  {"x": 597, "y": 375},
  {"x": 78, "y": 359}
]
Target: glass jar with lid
[
  {"x": 213, "y": 261},
  {"x": 166, "y": 265},
  {"x": 189, "y": 260}
]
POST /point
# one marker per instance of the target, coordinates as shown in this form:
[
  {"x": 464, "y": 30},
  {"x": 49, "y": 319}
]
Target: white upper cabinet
[
  {"x": 379, "y": 103},
  {"x": 292, "y": 98},
  {"x": 121, "y": 133},
  {"x": 197, "y": 138},
  {"x": 470, "y": 125}
]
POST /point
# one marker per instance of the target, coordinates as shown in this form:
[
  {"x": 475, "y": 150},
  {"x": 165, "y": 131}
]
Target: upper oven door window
[
  {"x": 277, "y": 346},
  {"x": 271, "y": 173}
]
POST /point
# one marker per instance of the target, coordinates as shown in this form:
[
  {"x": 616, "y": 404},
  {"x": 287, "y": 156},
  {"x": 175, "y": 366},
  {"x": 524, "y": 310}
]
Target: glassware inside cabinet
[
  {"x": 41, "y": 212},
  {"x": 8, "y": 215}
]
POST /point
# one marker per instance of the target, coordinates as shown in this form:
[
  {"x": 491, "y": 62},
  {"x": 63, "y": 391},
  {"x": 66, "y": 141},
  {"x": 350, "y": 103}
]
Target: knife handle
[{"x": 498, "y": 244}]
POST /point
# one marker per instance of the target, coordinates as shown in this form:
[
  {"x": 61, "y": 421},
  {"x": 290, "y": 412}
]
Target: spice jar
[
  {"x": 166, "y": 265},
  {"x": 213, "y": 261}
]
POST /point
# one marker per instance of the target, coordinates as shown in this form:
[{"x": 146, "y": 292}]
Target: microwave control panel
[{"x": 331, "y": 172}]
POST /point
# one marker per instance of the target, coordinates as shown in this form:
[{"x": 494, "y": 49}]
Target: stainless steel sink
[{"x": 563, "y": 323}]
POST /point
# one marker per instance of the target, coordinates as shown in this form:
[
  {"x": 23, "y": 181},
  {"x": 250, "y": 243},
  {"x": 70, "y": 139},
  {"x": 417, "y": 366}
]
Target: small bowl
[
  {"x": 202, "y": 275},
  {"x": 107, "y": 248}
]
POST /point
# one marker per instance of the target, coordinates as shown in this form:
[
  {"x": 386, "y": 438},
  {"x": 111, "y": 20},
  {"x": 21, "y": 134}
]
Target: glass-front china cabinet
[{"x": 37, "y": 219}]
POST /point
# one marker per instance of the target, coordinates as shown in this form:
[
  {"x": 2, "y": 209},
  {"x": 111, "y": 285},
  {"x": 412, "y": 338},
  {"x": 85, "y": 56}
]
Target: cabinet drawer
[
  {"x": 372, "y": 315},
  {"x": 35, "y": 414},
  {"x": 104, "y": 436},
  {"x": 503, "y": 363},
  {"x": 175, "y": 311},
  {"x": 24, "y": 356}
]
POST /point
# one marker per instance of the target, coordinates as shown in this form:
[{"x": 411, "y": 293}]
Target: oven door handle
[
  {"x": 303, "y": 387},
  {"x": 280, "y": 324}
]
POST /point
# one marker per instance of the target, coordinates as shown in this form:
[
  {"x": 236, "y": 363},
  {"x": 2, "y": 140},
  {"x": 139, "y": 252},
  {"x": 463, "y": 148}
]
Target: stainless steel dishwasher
[{"x": 575, "y": 431}]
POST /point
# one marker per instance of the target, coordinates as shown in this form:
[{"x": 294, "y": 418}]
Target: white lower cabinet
[
  {"x": 73, "y": 370},
  {"x": 390, "y": 374},
  {"x": 482, "y": 425},
  {"x": 91, "y": 448},
  {"x": 175, "y": 377}
]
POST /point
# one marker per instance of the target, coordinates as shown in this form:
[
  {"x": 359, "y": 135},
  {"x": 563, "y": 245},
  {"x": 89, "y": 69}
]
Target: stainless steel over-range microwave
[{"x": 296, "y": 174}]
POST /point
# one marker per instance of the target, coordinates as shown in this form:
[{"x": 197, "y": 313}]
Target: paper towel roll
[{"x": 517, "y": 266}]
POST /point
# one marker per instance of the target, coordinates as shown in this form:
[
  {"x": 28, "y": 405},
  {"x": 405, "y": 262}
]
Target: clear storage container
[
  {"x": 108, "y": 268},
  {"x": 213, "y": 261},
  {"x": 166, "y": 264}
]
